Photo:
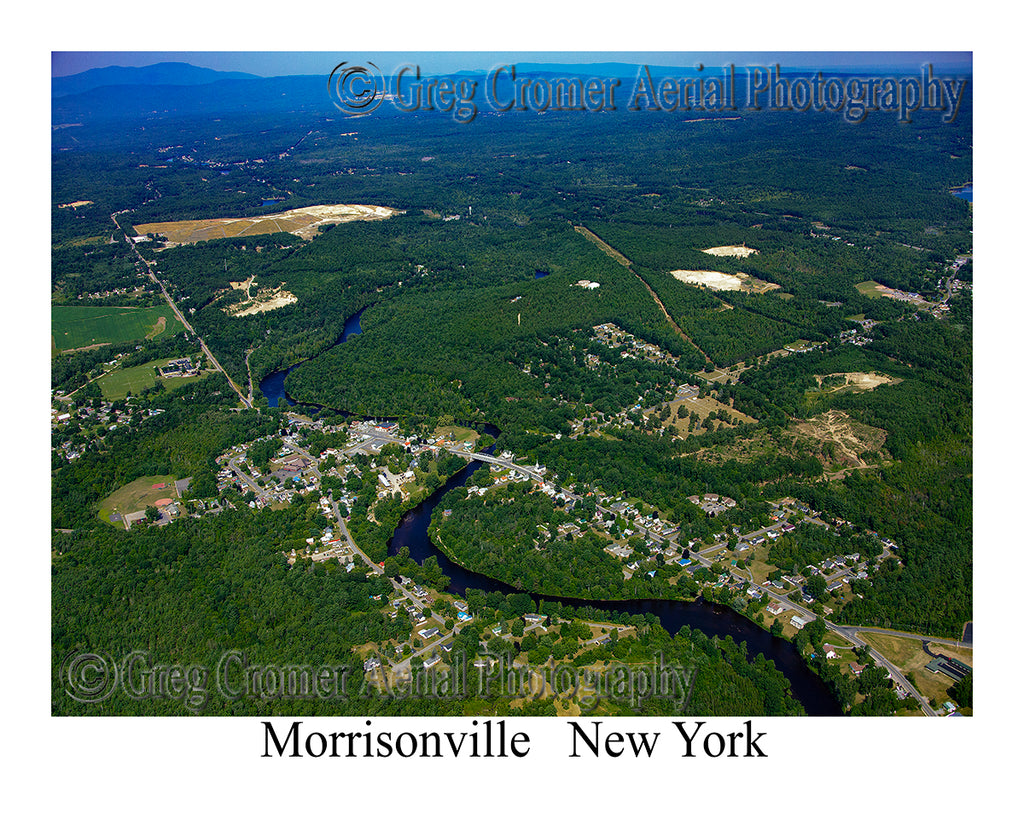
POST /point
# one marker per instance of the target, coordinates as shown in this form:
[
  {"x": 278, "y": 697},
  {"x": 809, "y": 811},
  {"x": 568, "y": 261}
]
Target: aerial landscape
[{"x": 584, "y": 389}]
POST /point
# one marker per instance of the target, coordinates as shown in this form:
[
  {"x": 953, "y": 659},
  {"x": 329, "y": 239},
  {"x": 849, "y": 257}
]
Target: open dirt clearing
[
  {"x": 863, "y": 382},
  {"x": 158, "y": 328},
  {"x": 716, "y": 280},
  {"x": 264, "y": 301},
  {"x": 741, "y": 251},
  {"x": 843, "y": 439},
  {"x": 303, "y": 222}
]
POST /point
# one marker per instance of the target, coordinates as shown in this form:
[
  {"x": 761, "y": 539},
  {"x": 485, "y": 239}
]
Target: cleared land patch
[
  {"x": 265, "y": 300},
  {"x": 699, "y": 408},
  {"x": 136, "y": 496},
  {"x": 715, "y": 280},
  {"x": 741, "y": 251},
  {"x": 871, "y": 289},
  {"x": 74, "y": 327},
  {"x": 120, "y": 382},
  {"x": 303, "y": 222},
  {"x": 843, "y": 440},
  {"x": 910, "y": 656},
  {"x": 859, "y": 382}
]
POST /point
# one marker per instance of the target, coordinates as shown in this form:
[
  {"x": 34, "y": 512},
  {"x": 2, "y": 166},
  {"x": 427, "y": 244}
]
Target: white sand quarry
[
  {"x": 709, "y": 278},
  {"x": 741, "y": 251},
  {"x": 715, "y": 280}
]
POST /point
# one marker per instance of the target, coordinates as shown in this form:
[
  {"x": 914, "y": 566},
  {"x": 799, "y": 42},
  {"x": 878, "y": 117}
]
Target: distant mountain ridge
[{"x": 168, "y": 73}]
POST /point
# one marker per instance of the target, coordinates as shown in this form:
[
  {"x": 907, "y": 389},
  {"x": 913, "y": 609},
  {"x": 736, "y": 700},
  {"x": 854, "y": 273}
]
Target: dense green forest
[
  {"x": 473, "y": 311},
  {"x": 221, "y": 587},
  {"x": 520, "y": 548}
]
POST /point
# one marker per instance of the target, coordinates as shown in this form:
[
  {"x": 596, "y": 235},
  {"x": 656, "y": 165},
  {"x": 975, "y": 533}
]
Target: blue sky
[{"x": 277, "y": 63}]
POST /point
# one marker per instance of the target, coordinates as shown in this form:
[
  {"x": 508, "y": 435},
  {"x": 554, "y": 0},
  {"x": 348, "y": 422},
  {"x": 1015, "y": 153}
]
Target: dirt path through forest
[{"x": 626, "y": 263}]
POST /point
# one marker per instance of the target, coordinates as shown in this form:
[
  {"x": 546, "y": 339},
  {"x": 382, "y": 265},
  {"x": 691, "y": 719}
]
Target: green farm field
[{"x": 73, "y": 326}]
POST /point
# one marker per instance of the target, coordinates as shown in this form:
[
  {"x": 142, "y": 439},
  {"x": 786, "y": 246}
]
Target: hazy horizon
[{"x": 275, "y": 64}]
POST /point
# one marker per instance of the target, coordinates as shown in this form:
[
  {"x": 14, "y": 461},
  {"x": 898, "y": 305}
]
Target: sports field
[
  {"x": 73, "y": 326},
  {"x": 869, "y": 289},
  {"x": 136, "y": 496},
  {"x": 118, "y": 383}
]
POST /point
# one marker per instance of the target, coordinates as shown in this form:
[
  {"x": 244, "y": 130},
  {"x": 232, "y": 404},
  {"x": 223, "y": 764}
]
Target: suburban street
[{"x": 370, "y": 436}]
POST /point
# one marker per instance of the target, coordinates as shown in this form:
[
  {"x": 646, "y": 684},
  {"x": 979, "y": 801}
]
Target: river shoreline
[{"x": 713, "y": 619}]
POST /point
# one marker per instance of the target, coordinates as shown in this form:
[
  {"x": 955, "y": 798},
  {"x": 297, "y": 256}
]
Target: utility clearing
[{"x": 302, "y": 222}]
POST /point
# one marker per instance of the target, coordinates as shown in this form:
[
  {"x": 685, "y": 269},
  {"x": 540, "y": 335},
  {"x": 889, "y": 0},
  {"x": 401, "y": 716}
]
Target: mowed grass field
[
  {"x": 869, "y": 289},
  {"x": 909, "y": 656},
  {"x": 118, "y": 383},
  {"x": 74, "y": 326},
  {"x": 137, "y": 495}
]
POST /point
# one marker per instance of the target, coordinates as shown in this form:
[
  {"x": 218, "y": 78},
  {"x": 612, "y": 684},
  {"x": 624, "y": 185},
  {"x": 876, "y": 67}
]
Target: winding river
[
  {"x": 711, "y": 619},
  {"x": 272, "y": 386}
]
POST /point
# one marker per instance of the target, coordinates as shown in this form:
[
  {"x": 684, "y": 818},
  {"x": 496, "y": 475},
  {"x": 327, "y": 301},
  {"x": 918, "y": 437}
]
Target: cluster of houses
[
  {"x": 854, "y": 337},
  {"x": 106, "y": 294},
  {"x": 613, "y": 336},
  {"x": 94, "y": 423},
  {"x": 713, "y": 505}
]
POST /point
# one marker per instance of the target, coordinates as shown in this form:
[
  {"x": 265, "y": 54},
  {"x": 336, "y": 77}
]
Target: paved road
[
  {"x": 235, "y": 465},
  {"x": 849, "y": 633},
  {"x": 946, "y": 641},
  {"x": 167, "y": 297}
]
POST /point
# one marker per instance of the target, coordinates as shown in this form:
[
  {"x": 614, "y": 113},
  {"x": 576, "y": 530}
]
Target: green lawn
[
  {"x": 869, "y": 289},
  {"x": 137, "y": 495},
  {"x": 119, "y": 382},
  {"x": 74, "y": 326}
]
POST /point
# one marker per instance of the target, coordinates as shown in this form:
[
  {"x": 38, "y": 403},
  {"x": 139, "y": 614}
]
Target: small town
[{"x": 729, "y": 567}]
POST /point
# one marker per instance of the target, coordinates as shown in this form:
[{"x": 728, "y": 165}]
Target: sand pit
[
  {"x": 302, "y": 222},
  {"x": 859, "y": 381},
  {"x": 716, "y": 280},
  {"x": 741, "y": 251},
  {"x": 709, "y": 278},
  {"x": 264, "y": 302},
  {"x": 848, "y": 438}
]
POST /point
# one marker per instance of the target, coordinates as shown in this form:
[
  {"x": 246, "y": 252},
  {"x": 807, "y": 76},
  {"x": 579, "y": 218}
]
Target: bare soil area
[
  {"x": 843, "y": 439},
  {"x": 265, "y": 301},
  {"x": 303, "y": 222},
  {"x": 860, "y": 382},
  {"x": 158, "y": 328},
  {"x": 716, "y": 280},
  {"x": 740, "y": 251}
]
